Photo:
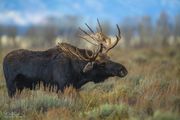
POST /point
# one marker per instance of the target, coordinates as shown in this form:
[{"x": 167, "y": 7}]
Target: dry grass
[{"x": 150, "y": 91}]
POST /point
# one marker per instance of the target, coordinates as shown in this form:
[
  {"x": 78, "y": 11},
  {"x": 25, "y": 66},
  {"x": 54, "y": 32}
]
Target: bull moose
[{"x": 63, "y": 65}]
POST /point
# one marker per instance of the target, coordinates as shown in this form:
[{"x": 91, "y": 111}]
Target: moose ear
[{"x": 88, "y": 67}]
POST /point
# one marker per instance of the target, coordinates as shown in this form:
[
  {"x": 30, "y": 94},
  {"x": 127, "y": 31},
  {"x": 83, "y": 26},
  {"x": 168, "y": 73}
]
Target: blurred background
[
  {"x": 41, "y": 24},
  {"x": 149, "y": 49}
]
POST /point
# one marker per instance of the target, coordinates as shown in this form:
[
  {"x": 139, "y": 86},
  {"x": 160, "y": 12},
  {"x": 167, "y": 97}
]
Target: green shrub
[
  {"x": 41, "y": 102},
  {"x": 165, "y": 116},
  {"x": 10, "y": 116},
  {"x": 104, "y": 86},
  {"x": 176, "y": 103},
  {"x": 2, "y": 116},
  {"x": 108, "y": 111}
]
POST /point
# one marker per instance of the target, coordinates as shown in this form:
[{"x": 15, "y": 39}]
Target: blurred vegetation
[
  {"x": 150, "y": 51},
  {"x": 136, "y": 32}
]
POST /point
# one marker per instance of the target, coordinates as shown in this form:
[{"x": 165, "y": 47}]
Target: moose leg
[
  {"x": 60, "y": 87},
  {"x": 60, "y": 84},
  {"x": 11, "y": 89}
]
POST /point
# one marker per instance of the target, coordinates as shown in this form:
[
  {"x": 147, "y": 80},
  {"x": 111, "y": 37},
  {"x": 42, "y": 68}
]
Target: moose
[{"x": 63, "y": 65}]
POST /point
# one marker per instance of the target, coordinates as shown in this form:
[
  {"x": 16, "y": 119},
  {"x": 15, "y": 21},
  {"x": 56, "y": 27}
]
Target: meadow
[{"x": 150, "y": 91}]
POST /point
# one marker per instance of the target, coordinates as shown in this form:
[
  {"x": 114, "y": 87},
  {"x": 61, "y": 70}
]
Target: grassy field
[{"x": 151, "y": 91}]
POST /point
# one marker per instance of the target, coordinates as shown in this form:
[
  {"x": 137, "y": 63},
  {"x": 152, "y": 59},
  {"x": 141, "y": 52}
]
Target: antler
[
  {"x": 75, "y": 51},
  {"x": 101, "y": 39}
]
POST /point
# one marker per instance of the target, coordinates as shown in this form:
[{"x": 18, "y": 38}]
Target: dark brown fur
[{"x": 54, "y": 67}]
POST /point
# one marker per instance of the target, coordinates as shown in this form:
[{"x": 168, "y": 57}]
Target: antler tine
[
  {"x": 119, "y": 31},
  {"x": 99, "y": 26},
  {"x": 87, "y": 40},
  {"x": 84, "y": 31},
  {"x": 94, "y": 53},
  {"x": 89, "y": 28},
  {"x": 112, "y": 46},
  {"x": 118, "y": 37},
  {"x": 87, "y": 54},
  {"x": 87, "y": 34},
  {"x": 65, "y": 49},
  {"x": 99, "y": 50},
  {"x": 72, "y": 52},
  {"x": 79, "y": 54}
]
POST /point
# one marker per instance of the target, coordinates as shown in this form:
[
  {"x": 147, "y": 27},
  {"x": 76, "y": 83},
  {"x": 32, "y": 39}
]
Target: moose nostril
[{"x": 123, "y": 73}]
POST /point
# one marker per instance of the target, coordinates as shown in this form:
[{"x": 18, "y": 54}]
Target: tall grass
[{"x": 150, "y": 91}]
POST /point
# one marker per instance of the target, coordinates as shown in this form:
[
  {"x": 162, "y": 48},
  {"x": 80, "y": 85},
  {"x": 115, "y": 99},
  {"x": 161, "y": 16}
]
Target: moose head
[{"x": 97, "y": 61}]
